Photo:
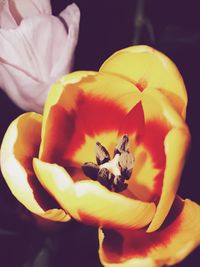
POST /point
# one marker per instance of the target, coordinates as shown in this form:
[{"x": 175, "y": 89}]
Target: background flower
[{"x": 36, "y": 49}]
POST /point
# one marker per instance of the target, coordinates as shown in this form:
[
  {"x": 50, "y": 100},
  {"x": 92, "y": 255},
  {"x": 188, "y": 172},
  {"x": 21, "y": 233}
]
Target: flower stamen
[
  {"x": 102, "y": 154},
  {"x": 111, "y": 173}
]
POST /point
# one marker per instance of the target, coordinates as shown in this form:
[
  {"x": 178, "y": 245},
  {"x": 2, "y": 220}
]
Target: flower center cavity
[{"x": 111, "y": 173}]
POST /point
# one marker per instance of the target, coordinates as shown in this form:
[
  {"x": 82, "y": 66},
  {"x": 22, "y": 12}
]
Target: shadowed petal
[
  {"x": 20, "y": 145},
  {"x": 57, "y": 182},
  {"x": 176, "y": 143},
  {"x": 7, "y": 21},
  {"x": 178, "y": 236}
]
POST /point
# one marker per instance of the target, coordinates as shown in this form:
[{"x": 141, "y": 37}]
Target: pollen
[{"x": 111, "y": 173}]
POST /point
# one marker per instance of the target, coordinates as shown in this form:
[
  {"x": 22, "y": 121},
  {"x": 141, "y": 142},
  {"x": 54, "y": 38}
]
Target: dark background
[{"x": 107, "y": 26}]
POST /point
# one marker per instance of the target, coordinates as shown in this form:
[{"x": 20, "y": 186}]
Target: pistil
[{"x": 111, "y": 173}]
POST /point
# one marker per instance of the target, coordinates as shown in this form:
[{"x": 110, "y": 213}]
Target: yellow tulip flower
[{"x": 109, "y": 151}]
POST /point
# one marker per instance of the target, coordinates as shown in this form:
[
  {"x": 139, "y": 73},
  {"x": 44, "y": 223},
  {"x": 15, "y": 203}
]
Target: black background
[{"x": 107, "y": 26}]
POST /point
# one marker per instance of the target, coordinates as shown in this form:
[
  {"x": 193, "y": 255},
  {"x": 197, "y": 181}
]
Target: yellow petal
[
  {"x": 149, "y": 69},
  {"x": 169, "y": 245},
  {"x": 55, "y": 96},
  {"x": 145, "y": 177},
  {"x": 57, "y": 89},
  {"x": 19, "y": 146},
  {"x": 90, "y": 202},
  {"x": 176, "y": 145},
  {"x": 160, "y": 156},
  {"x": 57, "y": 215},
  {"x": 58, "y": 183},
  {"x": 98, "y": 206}
]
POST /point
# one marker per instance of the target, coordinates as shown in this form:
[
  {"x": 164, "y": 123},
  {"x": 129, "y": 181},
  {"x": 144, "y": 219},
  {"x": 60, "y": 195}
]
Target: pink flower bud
[{"x": 36, "y": 49}]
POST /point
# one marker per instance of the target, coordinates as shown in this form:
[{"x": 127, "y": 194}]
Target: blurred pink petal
[
  {"x": 13, "y": 11},
  {"x": 71, "y": 18},
  {"x": 17, "y": 81},
  {"x": 6, "y": 19},
  {"x": 35, "y": 54}
]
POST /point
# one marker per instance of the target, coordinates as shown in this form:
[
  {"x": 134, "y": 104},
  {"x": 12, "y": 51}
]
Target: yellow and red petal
[
  {"x": 98, "y": 206},
  {"x": 85, "y": 111},
  {"x": 159, "y": 148},
  {"x": 177, "y": 237},
  {"x": 146, "y": 134},
  {"x": 149, "y": 69},
  {"x": 175, "y": 144},
  {"x": 147, "y": 145},
  {"x": 58, "y": 183},
  {"x": 20, "y": 144},
  {"x": 90, "y": 202}
]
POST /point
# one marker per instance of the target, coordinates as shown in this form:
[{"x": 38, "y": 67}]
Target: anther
[
  {"x": 102, "y": 155},
  {"x": 105, "y": 177},
  {"x": 126, "y": 162},
  {"x": 118, "y": 184},
  {"x": 123, "y": 145},
  {"x": 91, "y": 170}
]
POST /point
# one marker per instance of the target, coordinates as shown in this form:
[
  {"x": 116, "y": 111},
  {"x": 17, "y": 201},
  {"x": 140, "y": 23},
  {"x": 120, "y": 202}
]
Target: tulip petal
[
  {"x": 6, "y": 19},
  {"x": 23, "y": 9},
  {"x": 20, "y": 145},
  {"x": 178, "y": 236},
  {"x": 133, "y": 123},
  {"x": 83, "y": 108},
  {"x": 146, "y": 180},
  {"x": 176, "y": 143},
  {"x": 23, "y": 89},
  {"x": 70, "y": 16},
  {"x": 149, "y": 152},
  {"x": 13, "y": 11},
  {"x": 55, "y": 215},
  {"x": 38, "y": 60},
  {"x": 176, "y": 146},
  {"x": 98, "y": 206},
  {"x": 149, "y": 69},
  {"x": 159, "y": 153},
  {"x": 57, "y": 182},
  {"x": 90, "y": 202}
]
